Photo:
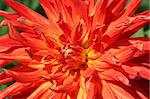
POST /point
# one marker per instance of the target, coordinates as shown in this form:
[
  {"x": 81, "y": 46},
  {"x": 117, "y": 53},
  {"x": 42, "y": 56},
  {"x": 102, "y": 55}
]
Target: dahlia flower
[{"x": 82, "y": 50}]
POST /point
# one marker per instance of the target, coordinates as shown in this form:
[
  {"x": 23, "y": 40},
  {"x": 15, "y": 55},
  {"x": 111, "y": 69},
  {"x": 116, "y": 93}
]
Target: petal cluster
[{"x": 82, "y": 50}]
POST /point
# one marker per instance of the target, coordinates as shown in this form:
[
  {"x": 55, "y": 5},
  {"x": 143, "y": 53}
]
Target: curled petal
[
  {"x": 6, "y": 46},
  {"x": 141, "y": 20},
  {"x": 135, "y": 70},
  {"x": 66, "y": 87},
  {"x": 26, "y": 77},
  {"x": 117, "y": 28}
]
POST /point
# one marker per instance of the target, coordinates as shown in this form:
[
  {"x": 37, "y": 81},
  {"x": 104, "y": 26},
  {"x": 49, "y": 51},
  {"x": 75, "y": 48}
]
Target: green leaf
[
  {"x": 3, "y": 30},
  {"x": 2, "y": 87},
  {"x": 147, "y": 33},
  {"x": 1, "y": 70},
  {"x": 6, "y": 85},
  {"x": 140, "y": 33},
  {"x": 34, "y": 4},
  {"x": 10, "y": 65}
]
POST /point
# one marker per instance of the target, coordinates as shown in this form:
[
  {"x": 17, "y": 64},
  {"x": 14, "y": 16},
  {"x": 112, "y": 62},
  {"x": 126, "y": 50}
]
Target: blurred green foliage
[
  {"x": 6, "y": 85},
  {"x": 34, "y": 4},
  {"x": 10, "y": 65}
]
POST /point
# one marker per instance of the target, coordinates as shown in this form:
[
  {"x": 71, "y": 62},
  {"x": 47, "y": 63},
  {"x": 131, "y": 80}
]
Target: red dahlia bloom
[{"x": 81, "y": 51}]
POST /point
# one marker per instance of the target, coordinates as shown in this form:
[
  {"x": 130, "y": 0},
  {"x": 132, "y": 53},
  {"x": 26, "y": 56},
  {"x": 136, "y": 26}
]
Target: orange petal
[
  {"x": 26, "y": 12},
  {"x": 6, "y": 80},
  {"x": 66, "y": 87},
  {"x": 131, "y": 7},
  {"x": 107, "y": 91},
  {"x": 90, "y": 88},
  {"x": 11, "y": 16},
  {"x": 141, "y": 20},
  {"x": 50, "y": 9},
  {"x": 16, "y": 87},
  {"x": 142, "y": 71},
  {"x": 91, "y": 7},
  {"x": 6, "y": 46},
  {"x": 40, "y": 90},
  {"x": 116, "y": 9},
  {"x": 120, "y": 92},
  {"x": 115, "y": 75},
  {"x": 26, "y": 77},
  {"x": 100, "y": 12}
]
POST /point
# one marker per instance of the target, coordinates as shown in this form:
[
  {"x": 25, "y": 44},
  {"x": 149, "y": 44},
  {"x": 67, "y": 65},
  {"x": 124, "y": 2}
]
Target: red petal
[
  {"x": 26, "y": 77},
  {"x": 77, "y": 13},
  {"x": 57, "y": 95},
  {"x": 6, "y": 80},
  {"x": 143, "y": 72},
  {"x": 40, "y": 90},
  {"x": 45, "y": 95},
  {"x": 120, "y": 92},
  {"x": 131, "y": 8},
  {"x": 69, "y": 87},
  {"x": 100, "y": 12},
  {"x": 28, "y": 13},
  {"x": 11, "y": 16},
  {"x": 18, "y": 54},
  {"x": 114, "y": 30},
  {"x": 77, "y": 33},
  {"x": 14, "y": 34},
  {"x": 26, "y": 40},
  {"x": 50, "y": 8},
  {"x": 90, "y": 88},
  {"x": 7, "y": 44},
  {"x": 141, "y": 20},
  {"x": 107, "y": 92},
  {"x": 91, "y": 7},
  {"x": 116, "y": 76},
  {"x": 16, "y": 87},
  {"x": 87, "y": 73},
  {"x": 132, "y": 73},
  {"x": 113, "y": 10},
  {"x": 118, "y": 7}
]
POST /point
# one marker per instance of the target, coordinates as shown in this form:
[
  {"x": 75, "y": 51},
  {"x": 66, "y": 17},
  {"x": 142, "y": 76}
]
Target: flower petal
[
  {"x": 107, "y": 91},
  {"x": 100, "y": 12},
  {"x": 131, "y": 8},
  {"x": 16, "y": 87},
  {"x": 11, "y": 16},
  {"x": 40, "y": 90},
  {"x": 28, "y": 13},
  {"x": 141, "y": 20},
  {"x": 115, "y": 75},
  {"x": 6, "y": 80},
  {"x": 26, "y": 77},
  {"x": 120, "y": 92},
  {"x": 6, "y": 46}
]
